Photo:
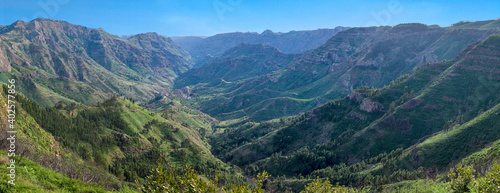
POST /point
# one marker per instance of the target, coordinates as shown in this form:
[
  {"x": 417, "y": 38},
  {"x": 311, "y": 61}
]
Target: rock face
[
  {"x": 356, "y": 96},
  {"x": 4, "y": 61},
  {"x": 370, "y": 106},
  {"x": 412, "y": 103}
]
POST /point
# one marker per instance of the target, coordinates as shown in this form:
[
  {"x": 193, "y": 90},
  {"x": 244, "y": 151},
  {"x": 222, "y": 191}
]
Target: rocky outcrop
[
  {"x": 412, "y": 103},
  {"x": 370, "y": 106},
  {"x": 400, "y": 124},
  {"x": 356, "y": 96},
  {"x": 4, "y": 61}
]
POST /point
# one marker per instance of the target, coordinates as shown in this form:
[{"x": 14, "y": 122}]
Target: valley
[{"x": 361, "y": 109}]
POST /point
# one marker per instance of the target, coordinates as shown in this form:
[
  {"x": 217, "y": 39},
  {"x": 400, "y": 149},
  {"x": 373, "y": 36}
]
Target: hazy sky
[{"x": 209, "y": 17}]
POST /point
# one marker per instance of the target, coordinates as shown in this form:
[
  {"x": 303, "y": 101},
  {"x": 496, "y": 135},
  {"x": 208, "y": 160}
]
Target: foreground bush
[
  {"x": 463, "y": 180},
  {"x": 319, "y": 186},
  {"x": 173, "y": 180}
]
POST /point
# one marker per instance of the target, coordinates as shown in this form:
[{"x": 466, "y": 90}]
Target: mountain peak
[
  {"x": 340, "y": 28},
  {"x": 45, "y": 20},
  {"x": 150, "y": 33},
  {"x": 19, "y": 23},
  {"x": 38, "y": 23},
  {"x": 413, "y": 27},
  {"x": 268, "y": 32},
  {"x": 143, "y": 35}
]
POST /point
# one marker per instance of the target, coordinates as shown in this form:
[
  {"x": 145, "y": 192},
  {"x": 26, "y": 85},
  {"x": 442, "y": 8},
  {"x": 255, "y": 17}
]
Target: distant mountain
[
  {"x": 241, "y": 62},
  {"x": 356, "y": 57},
  {"x": 187, "y": 41},
  {"x": 291, "y": 42},
  {"x": 55, "y": 60}
]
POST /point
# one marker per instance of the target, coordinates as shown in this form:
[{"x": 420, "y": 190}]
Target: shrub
[{"x": 461, "y": 178}]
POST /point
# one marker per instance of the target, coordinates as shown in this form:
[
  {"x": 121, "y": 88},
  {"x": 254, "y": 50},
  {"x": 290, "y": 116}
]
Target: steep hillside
[
  {"x": 42, "y": 162},
  {"x": 459, "y": 141},
  {"x": 241, "y": 62},
  {"x": 357, "y": 57},
  {"x": 111, "y": 144},
  {"x": 443, "y": 108},
  {"x": 55, "y": 60},
  {"x": 291, "y": 42}
]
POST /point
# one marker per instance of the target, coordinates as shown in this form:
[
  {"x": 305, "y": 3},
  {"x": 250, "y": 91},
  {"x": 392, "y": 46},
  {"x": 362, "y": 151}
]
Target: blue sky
[{"x": 209, "y": 17}]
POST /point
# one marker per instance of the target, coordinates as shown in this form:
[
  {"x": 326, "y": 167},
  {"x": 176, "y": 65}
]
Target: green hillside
[
  {"x": 109, "y": 145},
  {"x": 460, "y": 141}
]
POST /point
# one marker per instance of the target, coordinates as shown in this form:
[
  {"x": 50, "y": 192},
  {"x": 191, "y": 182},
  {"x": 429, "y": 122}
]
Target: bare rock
[
  {"x": 4, "y": 62},
  {"x": 412, "y": 103},
  {"x": 356, "y": 96},
  {"x": 400, "y": 124},
  {"x": 358, "y": 116},
  {"x": 370, "y": 106}
]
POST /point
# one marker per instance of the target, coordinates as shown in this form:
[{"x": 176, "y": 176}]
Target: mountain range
[
  {"x": 356, "y": 57},
  {"x": 377, "y": 109},
  {"x": 290, "y": 42}
]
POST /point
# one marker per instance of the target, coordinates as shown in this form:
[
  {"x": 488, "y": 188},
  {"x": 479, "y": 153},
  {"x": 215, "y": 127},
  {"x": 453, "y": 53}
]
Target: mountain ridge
[{"x": 290, "y": 42}]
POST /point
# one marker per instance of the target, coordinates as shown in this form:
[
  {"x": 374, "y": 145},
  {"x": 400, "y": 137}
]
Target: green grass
[
  {"x": 422, "y": 186},
  {"x": 31, "y": 177}
]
